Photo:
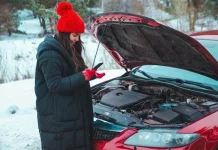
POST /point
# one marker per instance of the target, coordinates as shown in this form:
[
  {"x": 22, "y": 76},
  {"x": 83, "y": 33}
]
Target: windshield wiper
[
  {"x": 185, "y": 82},
  {"x": 143, "y": 73}
]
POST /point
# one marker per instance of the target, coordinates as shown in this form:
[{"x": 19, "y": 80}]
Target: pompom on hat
[{"x": 69, "y": 20}]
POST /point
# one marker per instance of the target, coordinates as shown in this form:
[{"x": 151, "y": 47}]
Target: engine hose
[{"x": 144, "y": 113}]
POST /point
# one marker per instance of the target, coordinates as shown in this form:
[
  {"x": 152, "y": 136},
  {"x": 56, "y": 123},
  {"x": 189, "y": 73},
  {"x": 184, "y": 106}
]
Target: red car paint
[
  {"x": 207, "y": 127},
  {"x": 210, "y": 32},
  {"x": 208, "y": 35}
]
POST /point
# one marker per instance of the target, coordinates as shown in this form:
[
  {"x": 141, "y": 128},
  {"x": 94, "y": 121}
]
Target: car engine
[{"x": 129, "y": 102}]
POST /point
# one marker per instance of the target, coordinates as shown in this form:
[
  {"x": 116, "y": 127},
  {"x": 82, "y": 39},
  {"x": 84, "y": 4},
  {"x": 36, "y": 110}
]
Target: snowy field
[
  {"x": 18, "y": 56},
  {"x": 18, "y": 123}
]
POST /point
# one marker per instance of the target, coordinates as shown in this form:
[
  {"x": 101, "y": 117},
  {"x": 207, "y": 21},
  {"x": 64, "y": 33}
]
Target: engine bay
[{"x": 128, "y": 102}]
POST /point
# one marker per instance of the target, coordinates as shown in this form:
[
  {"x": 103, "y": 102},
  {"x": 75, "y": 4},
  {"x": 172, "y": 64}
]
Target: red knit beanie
[{"x": 69, "y": 20}]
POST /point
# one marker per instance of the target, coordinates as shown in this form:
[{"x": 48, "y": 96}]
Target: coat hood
[
  {"x": 135, "y": 40},
  {"x": 51, "y": 44}
]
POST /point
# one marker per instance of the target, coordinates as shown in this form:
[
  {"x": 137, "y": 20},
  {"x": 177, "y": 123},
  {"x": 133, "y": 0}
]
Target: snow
[
  {"x": 25, "y": 14},
  {"x": 18, "y": 58},
  {"x": 28, "y": 23},
  {"x": 157, "y": 14},
  {"x": 19, "y": 131},
  {"x": 30, "y": 26}
]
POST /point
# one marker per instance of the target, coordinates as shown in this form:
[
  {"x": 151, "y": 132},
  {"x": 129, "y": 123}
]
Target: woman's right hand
[{"x": 88, "y": 74}]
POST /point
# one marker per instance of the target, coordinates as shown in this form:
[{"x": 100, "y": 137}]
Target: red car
[
  {"x": 209, "y": 39},
  {"x": 168, "y": 97}
]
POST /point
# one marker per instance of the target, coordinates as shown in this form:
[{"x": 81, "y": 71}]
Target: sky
[{"x": 18, "y": 122}]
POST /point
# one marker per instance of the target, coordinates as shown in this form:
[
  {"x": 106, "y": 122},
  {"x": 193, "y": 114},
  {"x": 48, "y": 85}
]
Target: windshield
[
  {"x": 211, "y": 46},
  {"x": 156, "y": 71}
]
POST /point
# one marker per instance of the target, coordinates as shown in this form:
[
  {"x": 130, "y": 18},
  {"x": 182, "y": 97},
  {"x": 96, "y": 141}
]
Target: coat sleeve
[{"x": 51, "y": 68}]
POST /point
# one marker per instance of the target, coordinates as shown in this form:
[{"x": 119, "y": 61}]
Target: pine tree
[
  {"x": 44, "y": 11},
  {"x": 211, "y": 8},
  {"x": 81, "y": 7},
  {"x": 19, "y": 4},
  {"x": 93, "y": 3}
]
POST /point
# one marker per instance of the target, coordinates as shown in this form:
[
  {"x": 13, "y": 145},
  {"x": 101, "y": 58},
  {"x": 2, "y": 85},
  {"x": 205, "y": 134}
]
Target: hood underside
[{"x": 135, "y": 40}]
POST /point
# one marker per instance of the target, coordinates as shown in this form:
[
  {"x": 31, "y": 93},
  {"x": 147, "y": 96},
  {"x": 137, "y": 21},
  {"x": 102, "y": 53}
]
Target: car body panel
[
  {"x": 117, "y": 144},
  {"x": 207, "y": 127},
  {"x": 209, "y": 32},
  {"x": 207, "y": 35},
  {"x": 134, "y": 43},
  {"x": 209, "y": 39}
]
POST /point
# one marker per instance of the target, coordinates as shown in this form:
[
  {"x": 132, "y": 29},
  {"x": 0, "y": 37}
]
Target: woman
[{"x": 64, "y": 104}]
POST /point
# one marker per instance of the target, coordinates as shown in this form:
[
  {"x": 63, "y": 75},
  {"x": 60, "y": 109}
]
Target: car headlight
[{"x": 161, "y": 138}]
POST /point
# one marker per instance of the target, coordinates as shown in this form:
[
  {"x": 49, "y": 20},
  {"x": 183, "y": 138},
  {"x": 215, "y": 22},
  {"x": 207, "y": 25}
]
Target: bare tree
[
  {"x": 189, "y": 9},
  {"x": 192, "y": 9},
  {"x": 132, "y": 6},
  {"x": 138, "y": 6},
  {"x": 8, "y": 20},
  {"x": 112, "y": 5}
]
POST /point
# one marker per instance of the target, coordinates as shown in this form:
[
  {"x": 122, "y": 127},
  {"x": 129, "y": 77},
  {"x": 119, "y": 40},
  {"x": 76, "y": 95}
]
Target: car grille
[{"x": 104, "y": 134}]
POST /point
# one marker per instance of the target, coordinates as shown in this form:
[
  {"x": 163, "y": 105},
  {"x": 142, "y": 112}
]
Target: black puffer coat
[{"x": 64, "y": 105}]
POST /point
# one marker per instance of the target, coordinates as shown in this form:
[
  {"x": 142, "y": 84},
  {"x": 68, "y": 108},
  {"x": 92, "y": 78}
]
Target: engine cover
[{"x": 122, "y": 98}]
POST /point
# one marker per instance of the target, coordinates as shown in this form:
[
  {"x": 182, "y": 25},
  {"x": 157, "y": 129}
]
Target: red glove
[
  {"x": 88, "y": 74},
  {"x": 99, "y": 75}
]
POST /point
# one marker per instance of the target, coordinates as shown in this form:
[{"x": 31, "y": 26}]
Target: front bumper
[
  {"x": 118, "y": 144},
  {"x": 117, "y": 135}
]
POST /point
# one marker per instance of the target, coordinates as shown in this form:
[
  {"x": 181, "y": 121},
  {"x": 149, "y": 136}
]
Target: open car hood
[{"x": 135, "y": 40}]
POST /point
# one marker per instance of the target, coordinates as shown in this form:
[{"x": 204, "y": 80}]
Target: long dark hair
[{"x": 74, "y": 51}]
